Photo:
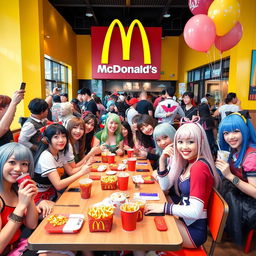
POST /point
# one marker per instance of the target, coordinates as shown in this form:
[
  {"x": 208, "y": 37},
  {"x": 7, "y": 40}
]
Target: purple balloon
[
  {"x": 199, "y": 6},
  {"x": 229, "y": 40},
  {"x": 199, "y": 33}
]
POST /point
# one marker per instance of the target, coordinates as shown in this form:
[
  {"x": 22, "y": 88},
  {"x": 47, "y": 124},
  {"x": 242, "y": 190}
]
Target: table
[{"x": 145, "y": 237}]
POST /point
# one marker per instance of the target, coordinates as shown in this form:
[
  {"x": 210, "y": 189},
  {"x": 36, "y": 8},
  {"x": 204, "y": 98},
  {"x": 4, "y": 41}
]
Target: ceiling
[{"x": 149, "y": 12}]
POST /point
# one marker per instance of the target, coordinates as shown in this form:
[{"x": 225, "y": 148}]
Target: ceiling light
[
  {"x": 167, "y": 15},
  {"x": 88, "y": 14}
]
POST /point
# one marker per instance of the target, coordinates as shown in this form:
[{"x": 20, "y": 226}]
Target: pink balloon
[
  {"x": 229, "y": 40},
  {"x": 199, "y": 6},
  {"x": 199, "y": 33}
]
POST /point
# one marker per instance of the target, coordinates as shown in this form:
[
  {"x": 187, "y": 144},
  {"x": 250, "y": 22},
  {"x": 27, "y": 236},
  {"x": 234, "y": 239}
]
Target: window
[
  {"x": 216, "y": 70},
  {"x": 56, "y": 74}
]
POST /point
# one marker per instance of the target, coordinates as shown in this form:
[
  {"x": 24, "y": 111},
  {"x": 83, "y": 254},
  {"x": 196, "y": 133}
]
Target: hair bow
[
  {"x": 185, "y": 120},
  {"x": 47, "y": 124}
]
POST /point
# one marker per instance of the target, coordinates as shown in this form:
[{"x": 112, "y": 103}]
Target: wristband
[{"x": 15, "y": 218}]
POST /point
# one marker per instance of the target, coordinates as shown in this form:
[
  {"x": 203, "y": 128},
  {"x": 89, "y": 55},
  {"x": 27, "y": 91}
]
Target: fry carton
[
  {"x": 100, "y": 218},
  {"x": 108, "y": 182}
]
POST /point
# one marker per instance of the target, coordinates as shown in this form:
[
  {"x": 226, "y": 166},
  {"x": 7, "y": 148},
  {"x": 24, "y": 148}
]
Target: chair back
[
  {"x": 217, "y": 213},
  {"x": 16, "y": 136}
]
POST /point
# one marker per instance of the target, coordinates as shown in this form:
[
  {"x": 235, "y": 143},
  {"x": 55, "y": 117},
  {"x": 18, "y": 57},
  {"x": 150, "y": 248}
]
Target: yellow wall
[
  {"x": 240, "y": 56},
  {"x": 32, "y": 50},
  {"x": 170, "y": 58},
  {"x": 20, "y": 51},
  {"x": 84, "y": 57},
  {"x": 61, "y": 45}
]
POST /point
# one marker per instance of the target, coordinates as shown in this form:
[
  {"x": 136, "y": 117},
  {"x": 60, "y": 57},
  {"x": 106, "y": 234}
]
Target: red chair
[
  {"x": 217, "y": 216},
  {"x": 16, "y": 136},
  {"x": 248, "y": 241}
]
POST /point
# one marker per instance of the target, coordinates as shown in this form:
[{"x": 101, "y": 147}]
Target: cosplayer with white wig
[{"x": 193, "y": 174}]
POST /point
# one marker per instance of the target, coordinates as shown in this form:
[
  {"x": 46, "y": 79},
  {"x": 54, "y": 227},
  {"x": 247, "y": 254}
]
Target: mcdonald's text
[{"x": 132, "y": 52}]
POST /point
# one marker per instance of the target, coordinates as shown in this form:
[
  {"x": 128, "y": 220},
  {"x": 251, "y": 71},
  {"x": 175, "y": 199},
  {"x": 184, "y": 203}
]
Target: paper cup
[
  {"x": 223, "y": 155},
  {"x": 22, "y": 177},
  {"x": 118, "y": 198},
  {"x": 85, "y": 188},
  {"x": 104, "y": 157},
  {"x": 129, "y": 218},
  {"x": 130, "y": 152},
  {"x": 141, "y": 203},
  {"x": 111, "y": 158},
  {"x": 123, "y": 180},
  {"x": 131, "y": 164}
]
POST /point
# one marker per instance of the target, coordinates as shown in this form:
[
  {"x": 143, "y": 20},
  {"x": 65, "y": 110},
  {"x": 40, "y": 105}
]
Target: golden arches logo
[
  {"x": 140, "y": 214},
  {"x": 99, "y": 225},
  {"x": 126, "y": 41},
  {"x": 109, "y": 186}
]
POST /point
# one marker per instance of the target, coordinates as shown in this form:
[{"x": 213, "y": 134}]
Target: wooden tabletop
[{"x": 145, "y": 237}]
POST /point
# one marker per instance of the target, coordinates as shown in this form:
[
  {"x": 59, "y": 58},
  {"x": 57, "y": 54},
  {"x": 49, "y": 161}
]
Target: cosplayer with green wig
[{"x": 111, "y": 135}]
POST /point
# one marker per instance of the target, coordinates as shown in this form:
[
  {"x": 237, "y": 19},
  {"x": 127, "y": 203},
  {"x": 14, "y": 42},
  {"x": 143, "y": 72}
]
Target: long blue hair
[{"x": 237, "y": 122}]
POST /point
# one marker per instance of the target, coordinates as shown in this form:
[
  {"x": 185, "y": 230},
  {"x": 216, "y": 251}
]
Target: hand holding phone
[{"x": 22, "y": 86}]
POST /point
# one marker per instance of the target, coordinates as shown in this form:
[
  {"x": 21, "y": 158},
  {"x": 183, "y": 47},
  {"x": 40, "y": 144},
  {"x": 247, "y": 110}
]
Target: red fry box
[
  {"x": 94, "y": 168},
  {"x": 108, "y": 182},
  {"x": 100, "y": 225},
  {"x": 148, "y": 179},
  {"x": 94, "y": 177},
  {"x": 113, "y": 167},
  {"x": 109, "y": 186},
  {"x": 73, "y": 224}
]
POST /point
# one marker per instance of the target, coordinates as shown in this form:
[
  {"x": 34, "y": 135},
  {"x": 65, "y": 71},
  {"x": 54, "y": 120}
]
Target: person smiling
[
  {"x": 51, "y": 163},
  {"x": 237, "y": 135},
  {"x": 163, "y": 136},
  {"x": 76, "y": 131},
  {"x": 145, "y": 142},
  {"x": 194, "y": 175},
  {"x": 111, "y": 136},
  {"x": 17, "y": 206}
]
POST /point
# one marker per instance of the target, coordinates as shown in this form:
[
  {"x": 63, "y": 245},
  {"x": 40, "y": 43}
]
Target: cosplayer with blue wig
[
  {"x": 110, "y": 136},
  {"x": 237, "y": 135}
]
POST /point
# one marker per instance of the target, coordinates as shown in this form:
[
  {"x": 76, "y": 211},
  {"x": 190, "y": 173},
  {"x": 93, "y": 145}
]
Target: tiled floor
[{"x": 229, "y": 249}]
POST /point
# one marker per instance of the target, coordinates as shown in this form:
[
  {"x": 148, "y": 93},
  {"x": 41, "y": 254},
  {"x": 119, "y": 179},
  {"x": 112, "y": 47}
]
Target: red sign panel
[{"x": 126, "y": 53}]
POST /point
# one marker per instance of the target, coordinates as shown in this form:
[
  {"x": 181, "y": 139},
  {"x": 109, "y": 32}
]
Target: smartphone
[
  {"x": 141, "y": 163},
  {"x": 155, "y": 214},
  {"x": 142, "y": 170},
  {"x": 22, "y": 86},
  {"x": 74, "y": 190}
]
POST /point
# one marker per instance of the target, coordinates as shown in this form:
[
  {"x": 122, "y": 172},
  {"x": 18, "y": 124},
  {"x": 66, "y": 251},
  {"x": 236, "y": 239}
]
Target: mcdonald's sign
[{"x": 119, "y": 52}]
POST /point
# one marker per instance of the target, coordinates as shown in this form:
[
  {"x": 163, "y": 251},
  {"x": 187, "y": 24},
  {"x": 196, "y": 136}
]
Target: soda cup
[
  {"x": 85, "y": 188},
  {"x": 22, "y": 177},
  {"x": 130, "y": 152},
  {"x": 131, "y": 164}
]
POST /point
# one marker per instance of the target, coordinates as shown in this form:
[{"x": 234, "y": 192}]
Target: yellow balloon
[{"x": 225, "y": 14}]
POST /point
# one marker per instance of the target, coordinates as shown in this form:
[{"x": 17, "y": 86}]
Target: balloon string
[{"x": 221, "y": 95}]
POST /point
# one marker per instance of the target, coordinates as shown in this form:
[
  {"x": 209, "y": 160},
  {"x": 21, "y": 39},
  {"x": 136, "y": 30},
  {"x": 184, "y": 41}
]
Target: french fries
[
  {"x": 57, "y": 220},
  {"x": 101, "y": 212},
  {"x": 129, "y": 207},
  {"x": 108, "y": 179}
]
